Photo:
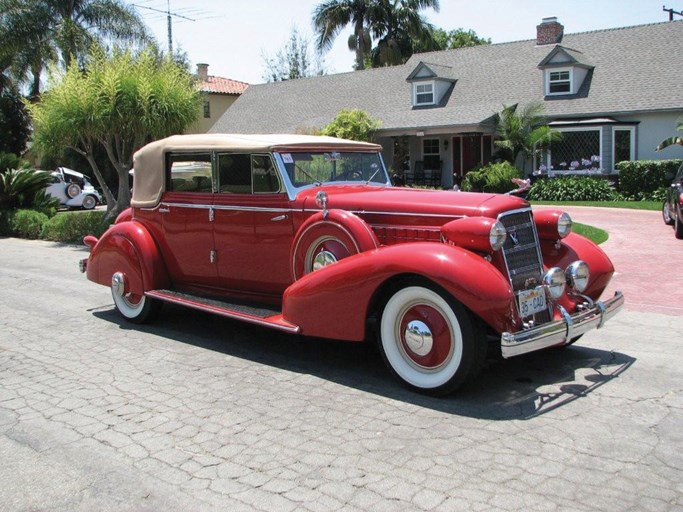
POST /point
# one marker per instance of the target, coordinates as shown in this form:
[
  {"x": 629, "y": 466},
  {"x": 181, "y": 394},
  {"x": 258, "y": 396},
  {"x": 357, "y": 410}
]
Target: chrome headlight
[
  {"x": 578, "y": 275},
  {"x": 564, "y": 225},
  {"x": 497, "y": 235},
  {"x": 555, "y": 282}
]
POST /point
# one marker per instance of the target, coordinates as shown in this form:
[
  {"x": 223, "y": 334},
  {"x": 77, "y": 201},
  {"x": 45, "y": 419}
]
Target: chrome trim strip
[
  {"x": 560, "y": 332},
  {"x": 403, "y": 214},
  {"x": 291, "y": 328}
]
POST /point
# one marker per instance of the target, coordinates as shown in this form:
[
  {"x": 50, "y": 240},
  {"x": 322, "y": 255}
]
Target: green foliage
[
  {"x": 18, "y": 187},
  {"x": 643, "y": 179},
  {"x": 523, "y": 132},
  {"x": 28, "y": 223},
  {"x": 494, "y": 178},
  {"x": 353, "y": 125},
  {"x": 14, "y": 122},
  {"x": 72, "y": 227},
  {"x": 11, "y": 161},
  {"x": 291, "y": 61},
  {"x": 6, "y": 217},
  {"x": 572, "y": 188},
  {"x": 459, "y": 38},
  {"x": 35, "y": 34}
]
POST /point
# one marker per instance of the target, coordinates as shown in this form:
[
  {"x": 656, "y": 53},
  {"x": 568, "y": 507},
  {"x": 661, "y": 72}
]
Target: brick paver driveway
[{"x": 196, "y": 412}]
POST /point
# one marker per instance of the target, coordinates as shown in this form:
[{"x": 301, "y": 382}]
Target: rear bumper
[{"x": 562, "y": 331}]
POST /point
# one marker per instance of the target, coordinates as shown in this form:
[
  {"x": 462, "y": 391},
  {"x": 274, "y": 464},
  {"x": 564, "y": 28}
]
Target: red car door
[
  {"x": 186, "y": 210},
  {"x": 253, "y": 226}
]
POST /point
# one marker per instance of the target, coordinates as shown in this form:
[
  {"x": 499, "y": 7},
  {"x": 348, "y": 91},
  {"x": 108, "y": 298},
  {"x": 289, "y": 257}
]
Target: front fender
[
  {"x": 576, "y": 247},
  {"x": 334, "y": 302},
  {"x": 129, "y": 248}
]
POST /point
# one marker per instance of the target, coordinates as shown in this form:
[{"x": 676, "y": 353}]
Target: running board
[{"x": 259, "y": 315}]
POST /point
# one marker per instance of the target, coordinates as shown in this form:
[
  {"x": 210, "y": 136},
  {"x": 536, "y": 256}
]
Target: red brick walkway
[{"x": 647, "y": 257}]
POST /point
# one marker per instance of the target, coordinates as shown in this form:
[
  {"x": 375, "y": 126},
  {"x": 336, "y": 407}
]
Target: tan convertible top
[{"x": 149, "y": 162}]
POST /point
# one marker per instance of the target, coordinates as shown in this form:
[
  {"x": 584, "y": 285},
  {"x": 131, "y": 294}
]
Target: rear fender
[
  {"x": 129, "y": 248},
  {"x": 335, "y": 301}
]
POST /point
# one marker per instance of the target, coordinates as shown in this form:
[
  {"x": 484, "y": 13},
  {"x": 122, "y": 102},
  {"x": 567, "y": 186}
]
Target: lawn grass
[
  {"x": 633, "y": 205},
  {"x": 597, "y": 235}
]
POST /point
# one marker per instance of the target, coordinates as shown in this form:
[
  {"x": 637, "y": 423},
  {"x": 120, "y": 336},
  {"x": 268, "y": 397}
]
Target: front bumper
[{"x": 561, "y": 332}]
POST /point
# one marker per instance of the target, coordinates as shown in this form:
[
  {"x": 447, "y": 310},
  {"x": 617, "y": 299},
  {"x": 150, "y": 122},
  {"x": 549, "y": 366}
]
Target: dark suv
[{"x": 672, "y": 209}]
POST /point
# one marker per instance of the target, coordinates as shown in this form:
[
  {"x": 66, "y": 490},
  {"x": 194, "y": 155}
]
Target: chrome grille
[{"x": 522, "y": 253}]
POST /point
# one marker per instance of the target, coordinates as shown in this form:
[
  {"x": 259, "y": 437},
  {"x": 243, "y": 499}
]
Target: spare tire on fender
[{"x": 325, "y": 239}]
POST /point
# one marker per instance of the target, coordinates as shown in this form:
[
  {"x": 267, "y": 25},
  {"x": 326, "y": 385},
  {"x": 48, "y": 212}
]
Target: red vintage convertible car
[{"x": 307, "y": 235}]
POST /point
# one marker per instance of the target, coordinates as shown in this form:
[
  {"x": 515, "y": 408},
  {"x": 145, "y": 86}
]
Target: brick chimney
[
  {"x": 203, "y": 72},
  {"x": 549, "y": 31}
]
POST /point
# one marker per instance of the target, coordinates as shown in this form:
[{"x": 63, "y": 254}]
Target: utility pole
[
  {"x": 671, "y": 12},
  {"x": 169, "y": 15}
]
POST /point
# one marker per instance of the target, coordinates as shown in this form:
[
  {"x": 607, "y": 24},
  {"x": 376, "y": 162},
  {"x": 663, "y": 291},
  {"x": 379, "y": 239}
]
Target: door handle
[
  {"x": 279, "y": 218},
  {"x": 164, "y": 210}
]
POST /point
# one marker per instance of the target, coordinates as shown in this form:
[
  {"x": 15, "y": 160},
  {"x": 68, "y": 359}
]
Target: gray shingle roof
[{"x": 637, "y": 69}]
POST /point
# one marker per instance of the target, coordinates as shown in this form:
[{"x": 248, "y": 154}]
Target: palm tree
[
  {"x": 396, "y": 23},
  {"x": 523, "y": 133},
  {"x": 37, "y": 33},
  {"x": 676, "y": 140},
  {"x": 330, "y": 18},
  {"x": 402, "y": 31}
]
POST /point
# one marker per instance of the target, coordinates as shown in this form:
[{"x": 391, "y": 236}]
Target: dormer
[
  {"x": 564, "y": 71},
  {"x": 430, "y": 83}
]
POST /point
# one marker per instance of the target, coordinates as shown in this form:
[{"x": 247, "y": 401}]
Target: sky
[{"x": 232, "y": 36}]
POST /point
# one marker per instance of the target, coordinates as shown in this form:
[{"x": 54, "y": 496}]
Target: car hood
[{"x": 367, "y": 200}]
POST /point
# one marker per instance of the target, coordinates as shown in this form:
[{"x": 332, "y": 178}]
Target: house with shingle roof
[
  {"x": 614, "y": 94},
  {"x": 219, "y": 94}
]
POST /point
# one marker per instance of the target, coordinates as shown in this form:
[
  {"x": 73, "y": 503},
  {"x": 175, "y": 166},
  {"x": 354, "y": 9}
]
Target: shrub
[
  {"x": 573, "y": 188},
  {"x": 28, "y": 223},
  {"x": 72, "y": 227},
  {"x": 352, "y": 124},
  {"x": 640, "y": 180},
  {"x": 18, "y": 187},
  {"x": 496, "y": 178},
  {"x": 6, "y": 217},
  {"x": 10, "y": 161}
]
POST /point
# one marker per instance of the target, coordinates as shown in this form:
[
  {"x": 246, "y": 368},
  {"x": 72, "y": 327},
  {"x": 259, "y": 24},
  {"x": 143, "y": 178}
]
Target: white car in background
[{"x": 73, "y": 189}]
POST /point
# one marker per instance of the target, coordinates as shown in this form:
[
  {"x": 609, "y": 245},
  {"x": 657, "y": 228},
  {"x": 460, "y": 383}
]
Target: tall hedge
[{"x": 641, "y": 179}]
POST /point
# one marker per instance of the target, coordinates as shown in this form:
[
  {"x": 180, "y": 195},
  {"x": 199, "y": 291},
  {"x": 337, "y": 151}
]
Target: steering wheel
[{"x": 352, "y": 175}]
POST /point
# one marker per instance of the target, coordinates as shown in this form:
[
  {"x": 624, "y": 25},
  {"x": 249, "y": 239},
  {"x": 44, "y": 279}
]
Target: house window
[
  {"x": 624, "y": 144},
  {"x": 423, "y": 93},
  {"x": 431, "y": 153},
  {"x": 559, "y": 81},
  {"x": 207, "y": 110},
  {"x": 579, "y": 150}
]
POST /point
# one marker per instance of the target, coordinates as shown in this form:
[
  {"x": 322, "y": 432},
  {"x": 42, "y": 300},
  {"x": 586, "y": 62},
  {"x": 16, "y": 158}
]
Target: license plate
[{"x": 531, "y": 301}]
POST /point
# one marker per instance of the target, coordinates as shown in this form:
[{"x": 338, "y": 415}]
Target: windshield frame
[{"x": 381, "y": 179}]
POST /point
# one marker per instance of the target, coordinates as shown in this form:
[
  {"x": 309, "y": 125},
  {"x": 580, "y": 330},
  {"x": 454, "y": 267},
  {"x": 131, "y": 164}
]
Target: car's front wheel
[
  {"x": 429, "y": 341},
  {"x": 133, "y": 307},
  {"x": 666, "y": 214}
]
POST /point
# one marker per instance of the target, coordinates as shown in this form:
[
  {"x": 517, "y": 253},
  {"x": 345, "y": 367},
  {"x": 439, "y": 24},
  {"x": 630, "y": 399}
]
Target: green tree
[
  {"x": 292, "y": 61},
  {"x": 396, "y": 24},
  {"x": 37, "y": 33},
  {"x": 676, "y": 140},
  {"x": 331, "y": 16},
  {"x": 120, "y": 103},
  {"x": 14, "y": 122},
  {"x": 401, "y": 30},
  {"x": 352, "y": 124},
  {"x": 459, "y": 38},
  {"x": 523, "y": 132}
]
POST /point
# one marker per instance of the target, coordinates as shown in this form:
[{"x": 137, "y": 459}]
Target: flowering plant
[{"x": 587, "y": 165}]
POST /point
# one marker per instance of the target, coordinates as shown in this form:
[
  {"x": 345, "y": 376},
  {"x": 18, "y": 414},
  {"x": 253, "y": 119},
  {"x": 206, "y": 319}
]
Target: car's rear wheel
[
  {"x": 89, "y": 202},
  {"x": 666, "y": 214},
  {"x": 133, "y": 307},
  {"x": 429, "y": 340},
  {"x": 678, "y": 225}
]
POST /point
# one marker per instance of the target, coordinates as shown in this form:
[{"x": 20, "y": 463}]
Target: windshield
[{"x": 309, "y": 168}]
